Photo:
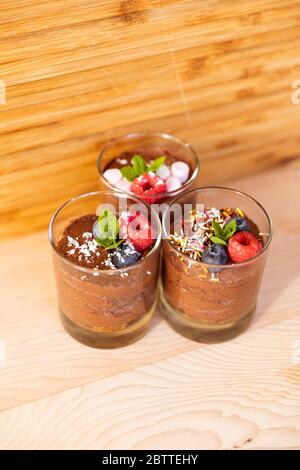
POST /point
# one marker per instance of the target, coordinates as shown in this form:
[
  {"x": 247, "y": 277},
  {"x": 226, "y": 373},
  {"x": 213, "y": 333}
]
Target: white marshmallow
[
  {"x": 124, "y": 185},
  {"x": 113, "y": 175},
  {"x": 173, "y": 183},
  {"x": 181, "y": 170},
  {"x": 163, "y": 172}
]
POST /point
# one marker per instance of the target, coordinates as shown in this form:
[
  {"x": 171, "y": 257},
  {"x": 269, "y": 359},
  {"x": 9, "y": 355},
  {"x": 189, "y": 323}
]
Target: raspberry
[
  {"x": 243, "y": 246},
  {"x": 140, "y": 184},
  {"x": 149, "y": 186},
  {"x": 137, "y": 229}
]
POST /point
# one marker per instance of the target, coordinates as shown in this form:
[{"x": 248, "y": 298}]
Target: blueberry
[
  {"x": 215, "y": 254},
  {"x": 242, "y": 224},
  {"x": 96, "y": 230},
  {"x": 125, "y": 255}
]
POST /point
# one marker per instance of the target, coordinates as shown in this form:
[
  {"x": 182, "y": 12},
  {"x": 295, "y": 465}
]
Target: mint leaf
[
  {"x": 156, "y": 164},
  {"x": 108, "y": 228},
  {"x": 114, "y": 245},
  {"x": 230, "y": 229},
  {"x": 218, "y": 241},
  {"x": 139, "y": 165},
  {"x": 219, "y": 232},
  {"x": 128, "y": 173},
  {"x": 104, "y": 242},
  {"x": 109, "y": 222}
]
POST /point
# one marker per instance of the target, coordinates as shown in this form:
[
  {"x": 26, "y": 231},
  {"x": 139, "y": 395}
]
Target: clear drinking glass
[
  {"x": 207, "y": 303},
  {"x": 146, "y": 143},
  {"x": 105, "y": 308}
]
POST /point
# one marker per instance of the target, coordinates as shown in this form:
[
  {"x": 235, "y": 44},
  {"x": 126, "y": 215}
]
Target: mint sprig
[
  {"x": 222, "y": 235},
  {"x": 219, "y": 232},
  {"x": 108, "y": 230},
  {"x": 218, "y": 241},
  {"x": 128, "y": 173},
  {"x": 156, "y": 164},
  {"x": 139, "y": 167},
  {"x": 230, "y": 229},
  {"x": 114, "y": 245}
]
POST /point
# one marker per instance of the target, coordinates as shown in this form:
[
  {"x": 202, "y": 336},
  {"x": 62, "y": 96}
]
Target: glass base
[
  {"x": 203, "y": 332},
  {"x": 110, "y": 339}
]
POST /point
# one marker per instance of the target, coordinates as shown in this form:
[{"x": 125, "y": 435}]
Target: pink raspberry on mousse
[
  {"x": 137, "y": 229},
  {"x": 149, "y": 186},
  {"x": 243, "y": 246}
]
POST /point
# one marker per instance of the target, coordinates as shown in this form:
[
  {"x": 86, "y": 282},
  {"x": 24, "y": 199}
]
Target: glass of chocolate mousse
[
  {"x": 106, "y": 251},
  {"x": 215, "y": 244},
  {"x": 155, "y": 167}
]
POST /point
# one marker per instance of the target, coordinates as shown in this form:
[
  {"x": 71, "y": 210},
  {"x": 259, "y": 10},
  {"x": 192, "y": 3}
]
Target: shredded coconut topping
[
  {"x": 73, "y": 242},
  {"x": 85, "y": 249},
  {"x": 87, "y": 235},
  {"x": 108, "y": 263}
]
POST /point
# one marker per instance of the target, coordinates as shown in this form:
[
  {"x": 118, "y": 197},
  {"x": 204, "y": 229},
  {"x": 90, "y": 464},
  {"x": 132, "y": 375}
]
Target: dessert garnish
[
  {"x": 132, "y": 231},
  {"x": 217, "y": 236},
  {"x": 222, "y": 235},
  {"x": 128, "y": 237},
  {"x": 242, "y": 246},
  {"x": 149, "y": 179},
  {"x": 106, "y": 230},
  {"x": 125, "y": 255},
  {"x": 215, "y": 254},
  {"x": 241, "y": 224},
  {"x": 107, "y": 241},
  {"x": 149, "y": 186},
  {"x": 137, "y": 229},
  {"x": 139, "y": 167}
]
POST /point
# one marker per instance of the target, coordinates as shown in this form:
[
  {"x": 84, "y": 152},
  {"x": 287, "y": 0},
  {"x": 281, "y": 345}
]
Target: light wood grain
[
  {"x": 43, "y": 360},
  {"x": 215, "y": 73},
  {"x": 242, "y": 395}
]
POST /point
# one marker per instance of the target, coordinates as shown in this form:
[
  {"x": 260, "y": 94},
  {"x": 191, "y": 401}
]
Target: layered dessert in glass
[
  {"x": 155, "y": 167},
  {"x": 215, "y": 243},
  {"x": 106, "y": 259}
]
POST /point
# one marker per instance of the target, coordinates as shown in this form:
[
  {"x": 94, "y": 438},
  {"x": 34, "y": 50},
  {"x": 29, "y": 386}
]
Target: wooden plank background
[{"x": 217, "y": 73}]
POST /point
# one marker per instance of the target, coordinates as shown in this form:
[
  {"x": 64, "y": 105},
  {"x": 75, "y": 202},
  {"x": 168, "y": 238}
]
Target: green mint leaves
[
  {"x": 108, "y": 230},
  {"x": 128, "y": 173},
  {"x": 218, "y": 241},
  {"x": 219, "y": 232},
  {"x": 114, "y": 245},
  {"x": 139, "y": 167},
  {"x": 222, "y": 235},
  {"x": 156, "y": 164},
  {"x": 230, "y": 229}
]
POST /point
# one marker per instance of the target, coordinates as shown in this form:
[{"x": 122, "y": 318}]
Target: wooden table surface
[{"x": 164, "y": 392}]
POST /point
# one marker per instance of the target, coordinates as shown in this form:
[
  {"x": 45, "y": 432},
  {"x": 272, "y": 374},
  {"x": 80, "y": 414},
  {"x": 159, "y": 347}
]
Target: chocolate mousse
[
  {"x": 210, "y": 279},
  {"x": 107, "y": 287}
]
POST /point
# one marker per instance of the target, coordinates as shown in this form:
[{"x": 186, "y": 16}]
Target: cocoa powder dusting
[{"x": 78, "y": 245}]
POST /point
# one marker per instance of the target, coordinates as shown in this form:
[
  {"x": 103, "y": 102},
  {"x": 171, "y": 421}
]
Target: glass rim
[
  {"x": 69, "y": 201},
  {"x": 165, "y": 136},
  {"x": 218, "y": 188}
]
